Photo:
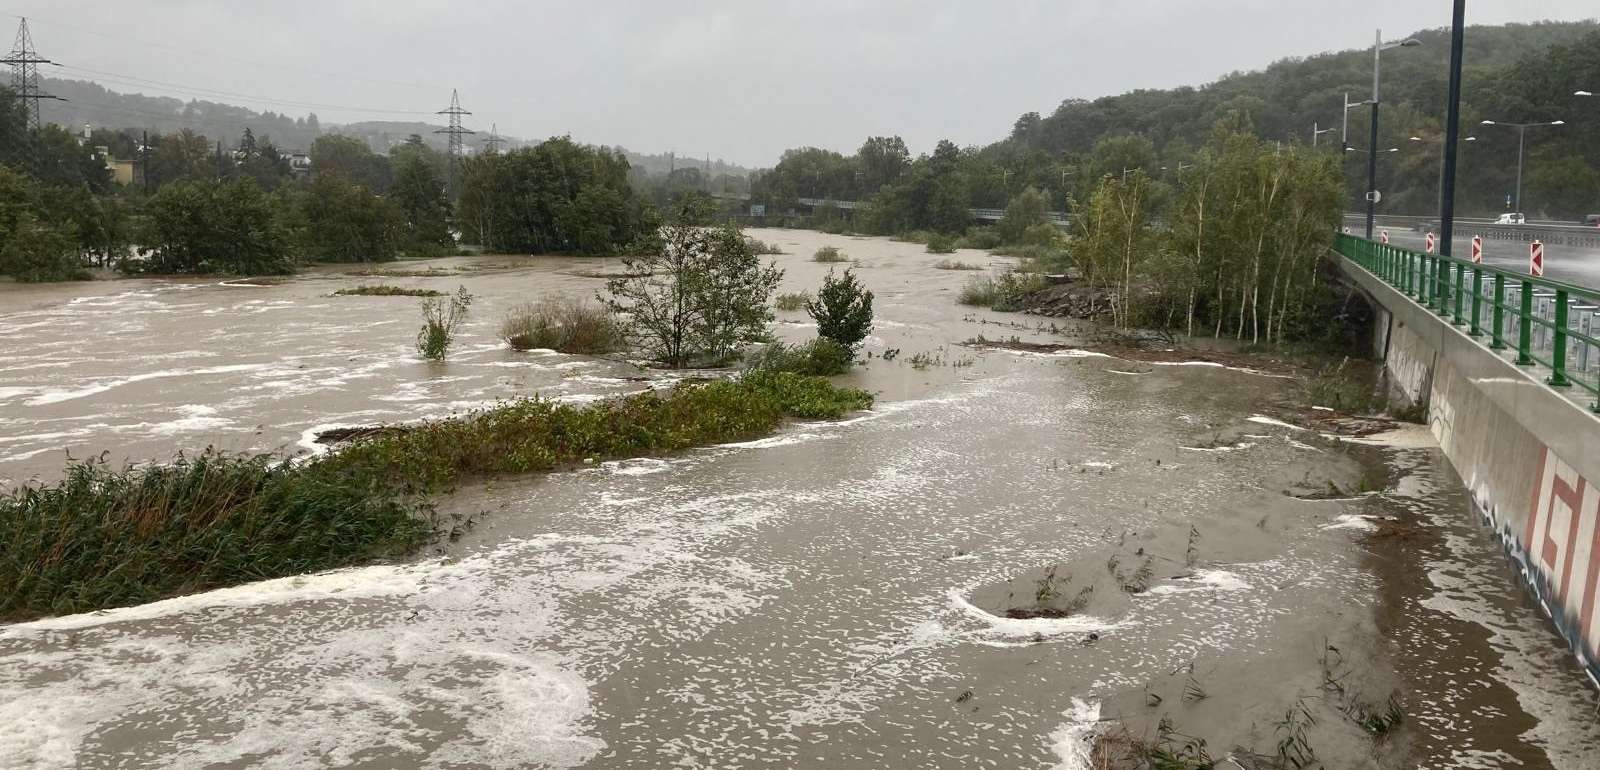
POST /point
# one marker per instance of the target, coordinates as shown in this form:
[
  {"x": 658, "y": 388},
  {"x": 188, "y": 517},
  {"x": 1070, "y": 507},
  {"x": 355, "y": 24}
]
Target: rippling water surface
[{"x": 817, "y": 598}]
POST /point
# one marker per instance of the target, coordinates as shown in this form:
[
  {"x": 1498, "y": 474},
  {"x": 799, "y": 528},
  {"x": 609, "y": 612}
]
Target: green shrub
[
  {"x": 564, "y": 324},
  {"x": 951, "y": 264},
  {"x": 829, "y": 254},
  {"x": 842, "y": 310},
  {"x": 808, "y": 397},
  {"x": 980, "y": 238},
  {"x": 941, "y": 244},
  {"x": 820, "y": 357},
  {"x": 386, "y": 291},
  {"x": 792, "y": 301},
  {"x": 38, "y": 252},
  {"x": 1004, "y": 294},
  {"x": 758, "y": 246},
  {"x": 106, "y": 536},
  {"x": 440, "y": 319}
]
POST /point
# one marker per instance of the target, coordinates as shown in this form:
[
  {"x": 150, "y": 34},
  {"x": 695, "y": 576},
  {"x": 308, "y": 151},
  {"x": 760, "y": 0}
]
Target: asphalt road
[{"x": 1573, "y": 264}]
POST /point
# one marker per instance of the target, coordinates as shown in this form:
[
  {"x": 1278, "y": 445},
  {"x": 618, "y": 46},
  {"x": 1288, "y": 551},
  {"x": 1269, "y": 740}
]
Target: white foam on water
[
  {"x": 7, "y": 393},
  {"x": 1264, "y": 420},
  {"x": 643, "y": 466},
  {"x": 1201, "y": 580},
  {"x": 56, "y": 396},
  {"x": 1402, "y": 437},
  {"x": 1225, "y": 448},
  {"x": 994, "y": 628},
  {"x": 1073, "y": 741},
  {"x": 771, "y": 442},
  {"x": 196, "y": 418},
  {"x": 1352, "y": 521},
  {"x": 1215, "y": 365}
]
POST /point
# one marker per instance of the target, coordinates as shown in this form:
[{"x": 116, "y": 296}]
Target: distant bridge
[{"x": 1057, "y": 218}]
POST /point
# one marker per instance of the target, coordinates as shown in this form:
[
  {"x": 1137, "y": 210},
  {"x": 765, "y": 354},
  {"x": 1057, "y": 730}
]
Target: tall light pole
[
  {"x": 1452, "y": 129},
  {"x": 1378, "y": 47},
  {"x": 1522, "y": 134},
  {"x": 1317, "y": 132}
]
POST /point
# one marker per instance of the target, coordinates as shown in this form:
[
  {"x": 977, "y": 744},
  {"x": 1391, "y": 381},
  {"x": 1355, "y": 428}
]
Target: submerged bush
[
  {"x": 1005, "y": 294},
  {"x": 829, "y": 254},
  {"x": 758, "y": 246},
  {"x": 792, "y": 301},
  {"x": 564, "y": 324},
  {"x": 951, "y": 264},
  {"x": 941, "y": 244},
  {"x": 107, "y": 536},
  {"x": 440, "y": 319},
  {"x": 386, "y": 291},
  {"x": 842, "y": 310},
  {"x": 820, "y": 357}
]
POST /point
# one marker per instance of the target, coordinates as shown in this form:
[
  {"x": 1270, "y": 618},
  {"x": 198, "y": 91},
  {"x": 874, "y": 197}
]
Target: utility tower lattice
[
  {"x": 455, "y": 131},
  {"x": 25, "y": 63},
  {"x": 492, "y": 144}
]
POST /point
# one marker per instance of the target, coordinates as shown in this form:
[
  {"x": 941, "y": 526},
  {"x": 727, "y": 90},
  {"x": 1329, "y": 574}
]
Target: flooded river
[{"x": 832, "y": 596}]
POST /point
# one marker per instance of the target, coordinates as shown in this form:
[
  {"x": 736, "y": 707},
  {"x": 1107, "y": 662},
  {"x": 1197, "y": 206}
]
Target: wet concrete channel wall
[{"x": 1529, "y": 453}]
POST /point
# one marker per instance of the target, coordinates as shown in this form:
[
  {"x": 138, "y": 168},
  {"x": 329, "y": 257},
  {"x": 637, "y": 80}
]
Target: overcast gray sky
[{"x": 739, "y": 79}]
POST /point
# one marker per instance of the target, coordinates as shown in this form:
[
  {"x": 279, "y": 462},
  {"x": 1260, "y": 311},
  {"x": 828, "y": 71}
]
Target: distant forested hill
[{"x": 1513, "y": 73}]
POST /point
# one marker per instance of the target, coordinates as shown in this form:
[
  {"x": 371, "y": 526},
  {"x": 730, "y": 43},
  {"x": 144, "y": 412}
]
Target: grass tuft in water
[{"x": 564, "y": 324}]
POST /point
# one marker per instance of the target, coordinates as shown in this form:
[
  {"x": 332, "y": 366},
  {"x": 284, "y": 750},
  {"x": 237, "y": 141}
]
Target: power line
[
  {"x": 455, "y": 132},
  {"x": 131, "y": 80},
  {"x": 25, "y": 63},
  {"x": 211, "y": 54},
  {"x": 492, "y": 144}
]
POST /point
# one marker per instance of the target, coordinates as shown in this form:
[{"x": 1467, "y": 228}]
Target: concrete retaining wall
[{"x": 1529, "y": 453}]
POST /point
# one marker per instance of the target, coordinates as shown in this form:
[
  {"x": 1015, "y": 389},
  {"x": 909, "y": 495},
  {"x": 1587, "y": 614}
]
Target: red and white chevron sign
[
  {"x": 1536, "y": 259},
  {"x": 1429, "y": 242},
  {"x": 1477, "y": 248}
]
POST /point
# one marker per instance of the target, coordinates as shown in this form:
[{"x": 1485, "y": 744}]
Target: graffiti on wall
[{"x": 1562, "y": 542}]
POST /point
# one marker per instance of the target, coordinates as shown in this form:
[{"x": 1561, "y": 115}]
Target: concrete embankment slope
[{"x": 1530, "y": 453}]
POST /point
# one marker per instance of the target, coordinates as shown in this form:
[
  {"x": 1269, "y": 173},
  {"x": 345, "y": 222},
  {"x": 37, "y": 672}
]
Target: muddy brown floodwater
[{"x": 832, "y": 596}]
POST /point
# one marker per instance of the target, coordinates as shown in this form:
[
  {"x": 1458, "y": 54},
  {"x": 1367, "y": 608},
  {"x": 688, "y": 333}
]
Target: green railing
[{"x": 1535, "y": 320}]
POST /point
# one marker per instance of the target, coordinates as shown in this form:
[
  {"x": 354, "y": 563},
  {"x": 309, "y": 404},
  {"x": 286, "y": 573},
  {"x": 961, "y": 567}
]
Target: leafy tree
[
  {"x": 558, "y": 196},
  {"x": 213, "y": 227},
  {"x": 700, "y": 296},
  {"x": 351, "y": 158},
  {"x": 1028, "y": 209},
  {"x": 181, "y": 156},
  {"x": 419, "y": 191},
  {"x": 58, "y": 160},
  {"x": 347, "y": 223},
  {"x": 842, "y": 310},
  {"x": 13, "y": 129},
  {"x": 35, "y": 251},
  {"x": 882, "y": 159},
  {"x": 261, "y": 161}
]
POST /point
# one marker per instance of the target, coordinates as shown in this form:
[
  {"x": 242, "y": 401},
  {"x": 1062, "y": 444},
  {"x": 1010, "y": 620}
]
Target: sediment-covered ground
[{"x": 1182, "y": 558}]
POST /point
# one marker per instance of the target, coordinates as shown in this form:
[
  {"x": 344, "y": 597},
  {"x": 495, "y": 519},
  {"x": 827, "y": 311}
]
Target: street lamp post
[
  {"x": 1318, "y": 132},
  {"x": 1378, "y": 47},
  {"x": 1522, "y": 134}
]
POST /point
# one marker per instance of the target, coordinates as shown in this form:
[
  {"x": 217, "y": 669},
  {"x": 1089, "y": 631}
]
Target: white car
[{"x": 1511, "y": 219}]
